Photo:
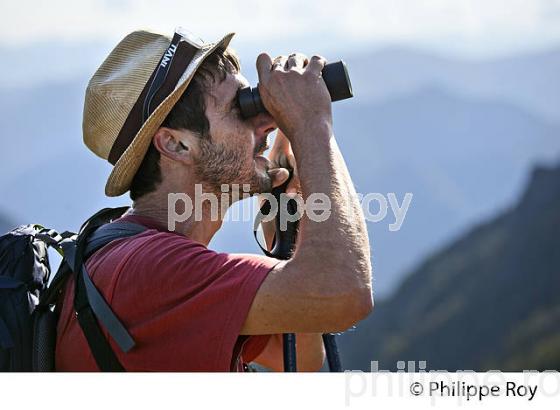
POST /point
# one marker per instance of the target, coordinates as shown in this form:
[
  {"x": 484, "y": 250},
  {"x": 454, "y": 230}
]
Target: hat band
[{"x": 161, "y": 83}]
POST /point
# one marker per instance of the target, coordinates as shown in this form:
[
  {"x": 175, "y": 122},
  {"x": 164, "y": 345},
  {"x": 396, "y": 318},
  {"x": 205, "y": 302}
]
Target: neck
[{"x": 155, "y": 206}]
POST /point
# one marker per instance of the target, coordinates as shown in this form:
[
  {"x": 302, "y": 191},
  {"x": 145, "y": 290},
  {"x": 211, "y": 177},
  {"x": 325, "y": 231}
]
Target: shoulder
[
  {"x": 170, "y": 253},
  {"x": 148, "y": 243}
]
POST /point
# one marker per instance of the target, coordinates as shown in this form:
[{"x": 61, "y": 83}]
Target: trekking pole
[
  {"x": 283, "y": 248},
  {"x": 333, "y": 356}
]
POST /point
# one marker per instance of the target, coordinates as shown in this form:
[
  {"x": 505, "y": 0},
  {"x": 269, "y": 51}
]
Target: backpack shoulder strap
[
  {"x": 89, "y": 304},
  {"x": 110, "y": 232}
]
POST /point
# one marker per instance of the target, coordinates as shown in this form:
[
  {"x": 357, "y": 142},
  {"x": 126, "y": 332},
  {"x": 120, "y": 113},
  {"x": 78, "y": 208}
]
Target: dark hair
[{"x": 188, "y": 113}]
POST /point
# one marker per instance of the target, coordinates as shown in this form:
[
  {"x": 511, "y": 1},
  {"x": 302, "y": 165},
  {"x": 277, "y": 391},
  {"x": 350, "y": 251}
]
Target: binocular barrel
[{"x": 335, "y": 76}]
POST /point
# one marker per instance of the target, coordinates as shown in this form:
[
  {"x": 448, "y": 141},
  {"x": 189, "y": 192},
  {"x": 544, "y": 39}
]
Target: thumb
[{"x": 278, "y": 176}]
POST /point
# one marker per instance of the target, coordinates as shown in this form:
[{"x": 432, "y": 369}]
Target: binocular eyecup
[{"x": 335, "y": 76}]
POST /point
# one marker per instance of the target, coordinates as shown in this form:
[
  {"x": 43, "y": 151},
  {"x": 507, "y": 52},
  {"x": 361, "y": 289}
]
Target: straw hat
[{"x": 132, "y": 93}]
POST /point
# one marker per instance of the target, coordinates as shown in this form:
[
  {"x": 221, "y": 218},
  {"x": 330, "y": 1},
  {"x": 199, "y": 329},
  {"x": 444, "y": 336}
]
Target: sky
[
  {"x": 65, "y": 40},
  {"x": 469, "y": 28}
]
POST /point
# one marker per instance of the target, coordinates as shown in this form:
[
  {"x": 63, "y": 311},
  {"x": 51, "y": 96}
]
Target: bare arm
[{"x": 326, "y": 286}]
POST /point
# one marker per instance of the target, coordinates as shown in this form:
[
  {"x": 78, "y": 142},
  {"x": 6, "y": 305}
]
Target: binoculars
[{"x": 335, "y": 76}]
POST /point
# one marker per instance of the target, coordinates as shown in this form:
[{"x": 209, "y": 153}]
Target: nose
[{"x": 264, "y": 124}]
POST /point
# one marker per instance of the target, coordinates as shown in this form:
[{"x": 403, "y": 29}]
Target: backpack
[
  {"x": 24, "y": 274},
  {"x": 28, "y": 293}
]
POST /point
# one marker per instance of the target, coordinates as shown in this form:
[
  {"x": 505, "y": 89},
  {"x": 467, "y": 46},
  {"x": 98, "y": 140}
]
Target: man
[{"x": 165, "y": 116}]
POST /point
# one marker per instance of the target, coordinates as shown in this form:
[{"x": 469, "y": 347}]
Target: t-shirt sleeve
[
  {"x": 196, "y": 300},
  {"x": 247, "y": 274}
]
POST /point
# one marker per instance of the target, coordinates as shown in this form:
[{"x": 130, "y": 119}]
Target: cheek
[
  {"x": 237, "y": 136},
  {"x": 243, "y": 137}
]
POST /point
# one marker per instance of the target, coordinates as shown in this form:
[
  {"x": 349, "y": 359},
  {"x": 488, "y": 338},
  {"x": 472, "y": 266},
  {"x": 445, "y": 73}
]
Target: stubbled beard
[{"x": 218, "y": 164}]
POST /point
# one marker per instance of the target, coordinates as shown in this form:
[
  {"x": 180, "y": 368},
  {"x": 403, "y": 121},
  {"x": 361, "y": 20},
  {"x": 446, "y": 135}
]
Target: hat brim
[{"x": 126, "y": 167}]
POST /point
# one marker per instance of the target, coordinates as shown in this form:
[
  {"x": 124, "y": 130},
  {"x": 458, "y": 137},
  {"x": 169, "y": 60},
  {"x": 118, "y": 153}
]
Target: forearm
[
  {"x": 353, "y": 205},
  {"x": 310, "y": 352},
  {"x": 341, "y": 240}
]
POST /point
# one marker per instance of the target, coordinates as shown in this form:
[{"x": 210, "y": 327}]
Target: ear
[{"x": 177, "y": 145}]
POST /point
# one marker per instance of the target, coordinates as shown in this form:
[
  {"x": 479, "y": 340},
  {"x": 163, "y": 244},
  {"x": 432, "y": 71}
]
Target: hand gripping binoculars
[{"x": 335, "y": 76}]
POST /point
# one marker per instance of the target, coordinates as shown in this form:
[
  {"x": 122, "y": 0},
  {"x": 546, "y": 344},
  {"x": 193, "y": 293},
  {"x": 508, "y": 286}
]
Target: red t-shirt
[{"x": 183, "y": 304}]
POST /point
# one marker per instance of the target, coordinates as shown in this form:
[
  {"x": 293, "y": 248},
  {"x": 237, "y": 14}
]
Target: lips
[{"x": 262, "y": 160}]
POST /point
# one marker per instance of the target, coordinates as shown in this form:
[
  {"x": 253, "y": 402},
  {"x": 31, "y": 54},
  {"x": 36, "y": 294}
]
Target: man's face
[{"x": 234, "y": 154}]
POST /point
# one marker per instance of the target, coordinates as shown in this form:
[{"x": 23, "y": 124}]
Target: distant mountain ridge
[
  {"x": 530, "y": 80},
  {"x": 487, "y": 301}
]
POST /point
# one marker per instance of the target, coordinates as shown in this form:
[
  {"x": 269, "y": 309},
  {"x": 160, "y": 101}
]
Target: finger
[
  {"x": 279, "y": 63},
  {"x": 278, "y": 176},
  {"x": 296, "y": 60},
  {"x": 291, "y": 161},
  {"x": 294, "y": 186},
  {"x": 282, "y": 161},
  {"x": 264, "y": 63},
  {"x": 316, "y": 64}
]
